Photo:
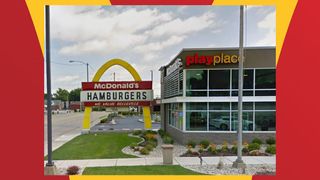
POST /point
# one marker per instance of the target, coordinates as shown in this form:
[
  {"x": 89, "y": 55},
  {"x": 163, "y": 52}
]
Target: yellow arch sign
[{"x": 96, "y": 78}]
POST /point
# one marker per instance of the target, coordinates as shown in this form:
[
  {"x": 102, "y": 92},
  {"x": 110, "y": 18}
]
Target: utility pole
[
  {"x": 50, "y": 168},
  {"x": 114, "y": 76},
  {"x": 238, "y": 163},
  {"x": 87, "y": 72}
]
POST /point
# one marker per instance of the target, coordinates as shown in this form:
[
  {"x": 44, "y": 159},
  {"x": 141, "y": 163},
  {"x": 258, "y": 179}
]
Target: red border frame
[{"x": 297, "y": 94}]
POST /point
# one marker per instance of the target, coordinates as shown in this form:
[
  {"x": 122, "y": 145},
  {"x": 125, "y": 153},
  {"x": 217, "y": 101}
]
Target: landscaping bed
[
  {"x": 255, "y": 148},
  {"x": 150, "y": 146}
]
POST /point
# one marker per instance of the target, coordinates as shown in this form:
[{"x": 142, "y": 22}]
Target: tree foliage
[
  {"x": 62, "y": 94},
  {"x": 74, "y": 94}
]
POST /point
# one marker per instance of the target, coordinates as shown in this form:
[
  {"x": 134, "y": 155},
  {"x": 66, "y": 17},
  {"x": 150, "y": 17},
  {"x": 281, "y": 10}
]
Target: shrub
[
  {"x": 271, "y": 149},
  {"x": 191, "y": 143},
  {"x": 245, "y": 149},
  {"x": 73, "y": 170},
  {"x": 204, "y": 143},
  {"x": 133, "y": 145},
  {"x": 149, "y": 147},
  {"x": 257, "y": 141},
  {"x": 152, "y": 143},
  {"x": 161, "y": 132},
  {"x": 167, "y": 140},
  {"x": 189, "y": 151},
  {"x": 245, "y": 144},
  {"x": 137, "y": 132},
  {"x": 271, "y": 141},
  {"x": 144, "y": 151},
  {"x": 212, "y": 148},
  {"x": 104, "y": 120},
  {"x": 150, "y": 132},
  {"x": 234, "y": 149},
  {"x": 224, "y": 148},
  {"x": 150, "y": 136},
  {"x": 200, "y": 149},
  {"x": 253, "y": 146}
]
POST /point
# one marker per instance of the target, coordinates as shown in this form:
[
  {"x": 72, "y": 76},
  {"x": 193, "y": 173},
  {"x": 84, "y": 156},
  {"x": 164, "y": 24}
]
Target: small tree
[
  {"x": 74, "y": 94},
  {"x": 62, "y": 94}
]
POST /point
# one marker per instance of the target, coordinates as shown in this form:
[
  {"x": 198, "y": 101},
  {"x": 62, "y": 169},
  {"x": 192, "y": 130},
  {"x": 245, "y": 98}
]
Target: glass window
[
  {"x": 219, "y": 121},
  {"x": 219, "y": 106},
  {"x": 245, "y": 106},
  {"x": 247, "y": 121},
  {"x": 197, "y": 93},
  {"x": 265, "y": 121},
  {"x": 244, "y": 93},
  {"x": 175, "y": 115},
  {"x": 196, "y": 121},
  {"x": 180, "y": 81},
  {"x": 196, "y": 79},
  {"x": 247, "y": 79},
  {"x": 196, "y": 106},
  {"x": 169, "y": 115},
  {"x": 219, "y": 79},
  {"x": 265, "y": 105},
  {"x": 265, "y": 93},
  {"x": 265, "y": 78},
  {"x": 219, "y": 93}
]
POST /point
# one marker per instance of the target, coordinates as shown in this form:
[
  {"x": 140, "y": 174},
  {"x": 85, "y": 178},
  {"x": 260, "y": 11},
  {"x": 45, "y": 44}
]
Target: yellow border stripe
[
  {"x": 193, "y": 177},
  {"x": 284, "y": 12}
]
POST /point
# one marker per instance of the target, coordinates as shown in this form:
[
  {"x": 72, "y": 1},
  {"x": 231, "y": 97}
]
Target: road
[
  {"x": 66, "y": 126},
  {"x": 123, "y": 123}
]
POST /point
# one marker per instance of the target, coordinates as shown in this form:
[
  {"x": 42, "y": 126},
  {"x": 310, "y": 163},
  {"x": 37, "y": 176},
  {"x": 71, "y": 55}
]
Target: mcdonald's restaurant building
[{"x": 199, "y": 90}]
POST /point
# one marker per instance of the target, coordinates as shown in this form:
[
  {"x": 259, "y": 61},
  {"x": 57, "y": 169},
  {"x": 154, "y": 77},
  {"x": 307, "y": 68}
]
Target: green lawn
[
  {"x": 99, "y": 146},
  {"x": 139, "y": 170}
]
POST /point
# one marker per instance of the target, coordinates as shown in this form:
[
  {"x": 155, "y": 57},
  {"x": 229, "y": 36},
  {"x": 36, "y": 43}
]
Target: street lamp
[
  {"x": 238, "y": 163},
  {"x": 50, "y": 168},
  {"x": 87, "y": 64}
]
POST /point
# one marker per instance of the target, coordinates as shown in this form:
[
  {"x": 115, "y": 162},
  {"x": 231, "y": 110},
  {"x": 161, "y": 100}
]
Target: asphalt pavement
[{"x": 123, "y": 123}]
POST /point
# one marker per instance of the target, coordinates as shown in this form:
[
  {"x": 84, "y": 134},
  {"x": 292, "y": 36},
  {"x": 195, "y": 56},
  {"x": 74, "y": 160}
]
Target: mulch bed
[{"x": 208, "y": 154}]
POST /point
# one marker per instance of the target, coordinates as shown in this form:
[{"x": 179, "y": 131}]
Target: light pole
[
  {"x": 238, "y": 163},
  {"x": 85, "y": 63},
  {"x": 151, "y": 104},
  {"x": 50, "y": 168},
  {"x": 151, "y": 71}
]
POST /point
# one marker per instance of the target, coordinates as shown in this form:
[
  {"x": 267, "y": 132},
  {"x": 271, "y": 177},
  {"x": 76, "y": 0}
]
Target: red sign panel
[
  {"x": 119, "y": 85},
  {"x": 114, "y": 104}
]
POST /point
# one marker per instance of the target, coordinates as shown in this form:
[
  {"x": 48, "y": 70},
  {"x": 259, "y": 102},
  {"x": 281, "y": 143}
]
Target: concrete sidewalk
[{"x": 183, "y": 161}]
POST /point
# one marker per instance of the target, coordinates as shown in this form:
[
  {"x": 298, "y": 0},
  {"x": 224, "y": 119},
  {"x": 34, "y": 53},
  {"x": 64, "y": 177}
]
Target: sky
[{"x": 147, "y": 37}]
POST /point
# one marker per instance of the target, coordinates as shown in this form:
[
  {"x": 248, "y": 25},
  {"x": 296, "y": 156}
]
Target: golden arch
[{"x": 96, "y": 78}]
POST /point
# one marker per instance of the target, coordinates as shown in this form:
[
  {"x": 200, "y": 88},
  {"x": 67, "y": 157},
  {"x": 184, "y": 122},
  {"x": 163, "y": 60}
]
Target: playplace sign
[
  {"x": 210, "y": 60},
  {"x": 122, "y": 93}
]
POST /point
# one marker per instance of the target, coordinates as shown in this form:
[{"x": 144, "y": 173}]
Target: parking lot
[{"x": 123, "y": 123}]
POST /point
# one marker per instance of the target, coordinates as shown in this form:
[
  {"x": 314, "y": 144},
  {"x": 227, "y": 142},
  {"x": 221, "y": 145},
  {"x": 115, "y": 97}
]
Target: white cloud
[
  {"x": 148, "y": 32},
  {"x": 268, "y": 24},
  {"x": 67, "y": 79},
  {"x": 159, "y": 45},
  {"x": 181, "y": 27},
  {"x": 104, "y": 31}
]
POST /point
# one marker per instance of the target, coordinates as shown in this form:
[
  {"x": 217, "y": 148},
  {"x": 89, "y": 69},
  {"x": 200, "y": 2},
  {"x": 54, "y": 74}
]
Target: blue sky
[{"x": 147, "y": 37}]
